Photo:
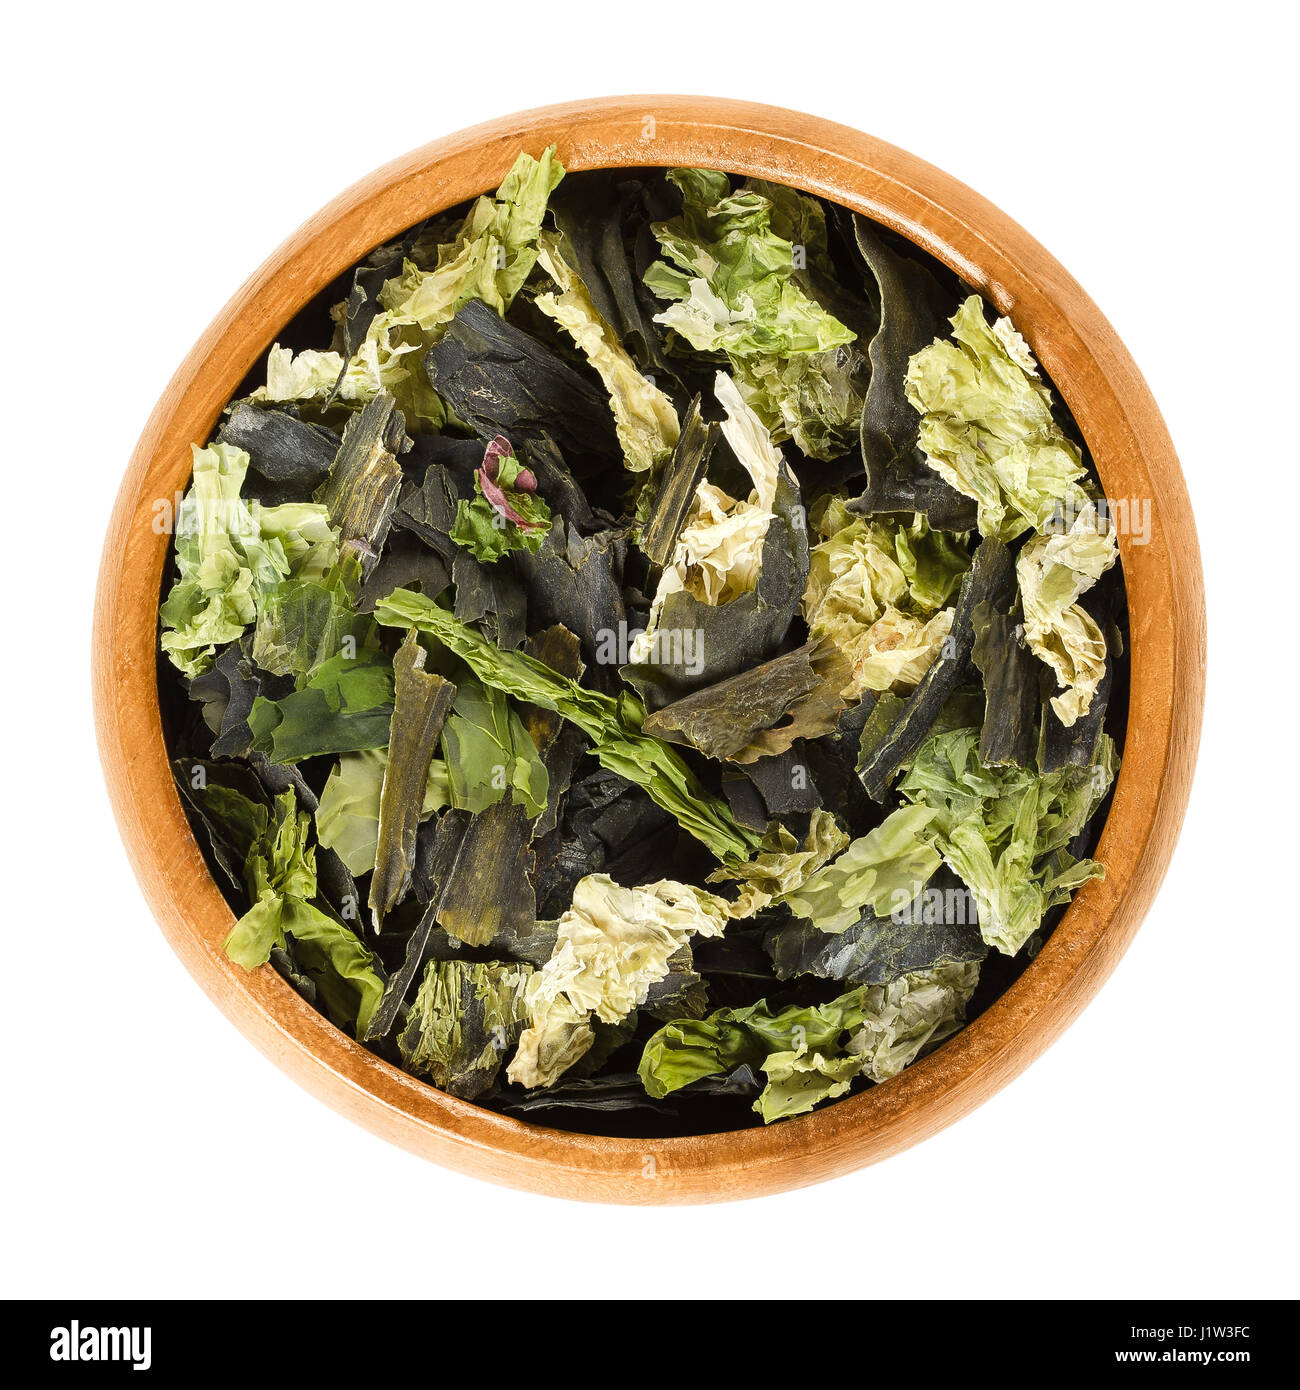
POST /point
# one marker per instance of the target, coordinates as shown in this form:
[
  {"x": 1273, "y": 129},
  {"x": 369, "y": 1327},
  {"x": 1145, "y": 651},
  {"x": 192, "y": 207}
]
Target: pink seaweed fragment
[{"x": 500, "y": 448}]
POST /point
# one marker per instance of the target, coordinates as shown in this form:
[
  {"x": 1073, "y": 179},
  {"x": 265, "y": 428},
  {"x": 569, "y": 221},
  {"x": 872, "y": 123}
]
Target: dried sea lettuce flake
[
  {"x": 465, "y": 1017},
  {"x": 811, "y": 1054}
]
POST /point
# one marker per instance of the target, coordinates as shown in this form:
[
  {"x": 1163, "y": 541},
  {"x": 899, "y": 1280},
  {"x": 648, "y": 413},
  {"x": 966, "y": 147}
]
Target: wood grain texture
[{"x": 1134, "y": 456}]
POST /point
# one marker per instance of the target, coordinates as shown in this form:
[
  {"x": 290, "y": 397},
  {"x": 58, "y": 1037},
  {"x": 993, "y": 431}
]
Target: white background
[{"x": 155, "y": 156}]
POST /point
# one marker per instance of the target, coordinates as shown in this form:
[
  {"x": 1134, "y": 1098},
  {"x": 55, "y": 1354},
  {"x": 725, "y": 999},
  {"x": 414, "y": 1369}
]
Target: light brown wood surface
[{"x": 1134, "y": 456}]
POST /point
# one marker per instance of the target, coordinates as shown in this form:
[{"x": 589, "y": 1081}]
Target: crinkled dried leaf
[
  {"x": 734, "y": 282},
  {"x": 878, "y": 588},
  {"x": 1004, "y": 830},
  {"x": 810, "y": 1054},
  {"x": 612, "y": 945},
  {"x": 987, "y": 426},
  {"x": 883, "y": 870},
  {"x": 304, "y": 622},
  {"x": 782, "y": 865},
  {"x": 761, "y": 711},
  {"x": 230, "y": 555},
  {"x": 1053, "y": 571}
]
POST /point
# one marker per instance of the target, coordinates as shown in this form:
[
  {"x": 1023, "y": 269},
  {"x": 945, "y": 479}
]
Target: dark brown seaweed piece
[
  {"x": 576, "y": 581},
  {"x": 362, "y": 305},
  {"x": 898, "y": 478},
  {"x": 681, "y": 993},
  {"x": 675, "y": 485},
  {"x": 833, "y": 760},
  {"x": 500, "y": 380},
  {"x": 421, "y": 700},
  {"x": 738, "y": 953},
  {"x": 227, "y": 691},
  {"x": 280, "y": 448},
  {"x": 557, "y": 484},
  {"x": 991, "y": 577},
  {"x": 1076, "y": 746},
  {"x": 456, "y": 456},
  {"x": 730, "y": 637},
  {"x": 588, "y": 214},
  {"x": 557, "y": 647},
  {"x": 223, "y": 836},
  {"x": 535, "y": 946},
  {"x": 491, "y": 597},
  {"x": 446, "y": 844},
  {"x": 609, "y": 826},
  {"x": 614, "y": 1091},
  {"x": 490, "y": 894},
  {"x": 744, "y": 799},
  {"x": 785, "y": 781},
  {"x": 761, "y": 711},
  {"x": 1011, "y": 683},
  {"x": 428, "y": 508},
  {"x": 407, "y": 563},
  {"x": 880, "y": 713},
  {"x": 939, "y": 928},
  {"x": 560, "y": 743},
  {"x": 362, "y": 489}
]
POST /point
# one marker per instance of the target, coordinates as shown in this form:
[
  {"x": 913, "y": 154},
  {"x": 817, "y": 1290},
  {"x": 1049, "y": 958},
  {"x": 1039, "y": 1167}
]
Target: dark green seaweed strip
[
  {"x": 784, "y": 781},
  {"x": 1011, "y": 683},
  {"x": 1076, "y": 746},
  {"x": 675, "y": 486},
  {"x": 384, "y": 263},
  {"x": 576, "y": 581},
  {"x": 491, "y": 597},
  {"x": 560, "y": 744},
  {"x": 898, "y": 478},
  {"x": 421, "y": 700},
  {"x": 992, "y": 577},
  {"x": 407, "y": 563},
  {"x": 446, "y": 850},
  {"x": 362, "y": 489},
  {"x": 588, "y": 215},
  {"x": 490, "y": 893}
]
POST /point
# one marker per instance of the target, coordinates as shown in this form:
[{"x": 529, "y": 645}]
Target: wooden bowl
[{"x": 1133, "y": 454}]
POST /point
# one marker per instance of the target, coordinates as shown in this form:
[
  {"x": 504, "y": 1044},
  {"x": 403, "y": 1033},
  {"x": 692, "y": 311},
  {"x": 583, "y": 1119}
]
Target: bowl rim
[{"x": 1134, "y": 457}]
